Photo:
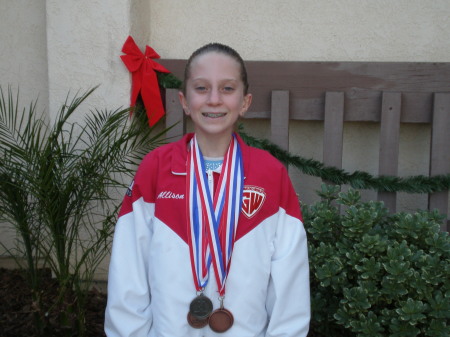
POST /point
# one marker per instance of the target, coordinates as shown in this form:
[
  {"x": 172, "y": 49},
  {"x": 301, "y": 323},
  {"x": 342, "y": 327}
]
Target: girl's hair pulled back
[{"x": 218, "y": 48}]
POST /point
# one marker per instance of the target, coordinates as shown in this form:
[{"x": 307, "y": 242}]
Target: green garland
[
  {"x": 168, "y": 81},
  {"x": 357, "y": 179}
]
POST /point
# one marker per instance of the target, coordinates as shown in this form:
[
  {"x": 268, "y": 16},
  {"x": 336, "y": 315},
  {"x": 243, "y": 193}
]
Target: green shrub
[{"x": 375, "y": 273}]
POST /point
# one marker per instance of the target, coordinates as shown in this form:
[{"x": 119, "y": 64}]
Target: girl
[{"x": 210, "y": 240}]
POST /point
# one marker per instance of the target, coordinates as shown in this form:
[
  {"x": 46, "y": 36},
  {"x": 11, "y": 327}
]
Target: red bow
[{"x": 144, "y": 79}]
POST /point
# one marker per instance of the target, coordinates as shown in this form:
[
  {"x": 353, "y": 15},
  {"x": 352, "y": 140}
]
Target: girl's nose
[{"x": 214, "y": 97}]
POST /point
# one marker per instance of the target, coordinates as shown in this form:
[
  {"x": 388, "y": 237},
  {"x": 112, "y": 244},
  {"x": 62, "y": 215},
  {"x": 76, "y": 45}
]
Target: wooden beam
[{"x": 362, "y": 83}]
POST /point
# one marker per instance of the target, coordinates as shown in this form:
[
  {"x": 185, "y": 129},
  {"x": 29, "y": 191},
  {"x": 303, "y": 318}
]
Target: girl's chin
[{"x": 214, "y": 130}]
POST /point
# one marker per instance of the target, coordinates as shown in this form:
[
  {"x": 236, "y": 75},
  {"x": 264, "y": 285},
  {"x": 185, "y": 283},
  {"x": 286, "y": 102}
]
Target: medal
[
  {"x": 212, "y": 223},
  {"x": 200, "y": 307},
  {"x": 221, "y": 319},
  {"x": 197, "y": 323}
]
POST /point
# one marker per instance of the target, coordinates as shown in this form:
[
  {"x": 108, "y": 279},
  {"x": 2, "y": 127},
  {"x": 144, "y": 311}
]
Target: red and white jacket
[{"x": 150, "y": 284}]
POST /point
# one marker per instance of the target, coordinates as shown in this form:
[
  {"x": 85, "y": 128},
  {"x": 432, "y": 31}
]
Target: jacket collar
[{"x": 180, "y": 150}]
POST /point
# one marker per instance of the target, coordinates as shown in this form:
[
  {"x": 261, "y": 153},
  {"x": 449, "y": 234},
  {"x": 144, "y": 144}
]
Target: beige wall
[
  {"x": 23, "y": 49},
  {"x": 309, "y": 30},
  {"x": 50, "y": 47},
  {"x": 23, "y": 61},
  {"x": 84, "y": 39}
]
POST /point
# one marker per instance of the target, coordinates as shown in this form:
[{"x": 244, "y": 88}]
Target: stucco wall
[
  {"x": 23, "y": 49},
  {"x": 84, "y": 39},
  {"x": 310, "y": 30},
  {"x": 23, "y": 62}
]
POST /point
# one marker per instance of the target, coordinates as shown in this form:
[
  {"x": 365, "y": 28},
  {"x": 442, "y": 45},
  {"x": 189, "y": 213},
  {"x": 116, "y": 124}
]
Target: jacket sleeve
[
  {"x": 128, "y": 311},
  {"x": 288, "y": 300}
]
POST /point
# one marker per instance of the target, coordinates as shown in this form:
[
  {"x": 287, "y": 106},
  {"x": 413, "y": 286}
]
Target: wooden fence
[{"x": 337, "y": 92}]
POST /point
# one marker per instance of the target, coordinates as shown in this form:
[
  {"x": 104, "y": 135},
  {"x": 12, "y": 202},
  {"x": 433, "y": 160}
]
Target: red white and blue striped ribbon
[{"x": 213, "y": 220}]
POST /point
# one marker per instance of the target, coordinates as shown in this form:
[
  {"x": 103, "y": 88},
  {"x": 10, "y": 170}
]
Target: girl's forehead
[{"x": 214, "y": 62}]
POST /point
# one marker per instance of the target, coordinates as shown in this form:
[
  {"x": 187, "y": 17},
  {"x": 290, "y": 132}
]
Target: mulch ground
[{"x": 17, "y": 308}]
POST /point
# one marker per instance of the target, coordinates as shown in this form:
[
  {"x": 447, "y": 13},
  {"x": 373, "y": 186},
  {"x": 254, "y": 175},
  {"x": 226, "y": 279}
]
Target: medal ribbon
[{"x": 212, "y": 221}]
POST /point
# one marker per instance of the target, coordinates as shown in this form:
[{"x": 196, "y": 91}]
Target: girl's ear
[
  {"x": 246, "y": 104},
  {"x": 183, "y": 102}
]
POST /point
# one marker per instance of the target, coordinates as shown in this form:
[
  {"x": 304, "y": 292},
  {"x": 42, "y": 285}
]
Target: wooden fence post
[
  {"x": 389, "y": 143},
  {"x": 174, "y": 116},
  {"x": 333, "y": 129},
  {"x": 440, "y": 151},
  {"x": 279, "y": 118}
]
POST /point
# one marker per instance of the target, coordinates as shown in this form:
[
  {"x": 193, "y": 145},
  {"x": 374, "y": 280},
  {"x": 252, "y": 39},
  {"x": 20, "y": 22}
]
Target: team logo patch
[{"x": 253, "y": 199}]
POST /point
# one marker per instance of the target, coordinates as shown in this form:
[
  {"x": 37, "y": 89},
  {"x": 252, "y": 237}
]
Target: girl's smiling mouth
[{"x": 213, "y": 115}]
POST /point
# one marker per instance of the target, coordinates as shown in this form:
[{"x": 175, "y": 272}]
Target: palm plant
[{"x": 56, "y": 183}]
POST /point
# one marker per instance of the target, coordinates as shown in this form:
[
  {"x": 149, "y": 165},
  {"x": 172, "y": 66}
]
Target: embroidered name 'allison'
[{"x": 170, "y": 195}]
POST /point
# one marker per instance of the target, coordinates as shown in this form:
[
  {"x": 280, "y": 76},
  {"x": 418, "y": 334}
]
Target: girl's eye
[
  {"x": 200, "y": 88},
  {"x": 228, "y": 89}
]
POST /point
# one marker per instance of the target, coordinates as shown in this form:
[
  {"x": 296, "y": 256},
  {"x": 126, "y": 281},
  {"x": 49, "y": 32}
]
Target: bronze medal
[
  {"x": 195, "y": 322},
  {"x": 200, "y": 307},
  {"x": 221, "y": 320}
]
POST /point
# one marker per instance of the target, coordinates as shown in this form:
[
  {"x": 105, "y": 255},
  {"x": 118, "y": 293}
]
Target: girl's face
[{"x": 214, "y": 95}]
